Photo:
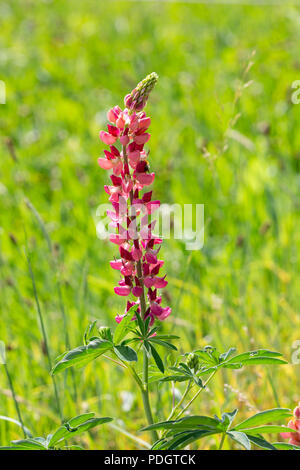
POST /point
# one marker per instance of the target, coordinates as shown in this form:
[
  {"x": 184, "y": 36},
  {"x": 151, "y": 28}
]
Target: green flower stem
[
  {"x": 145, "y": 385},
  {"x": 115, "y": 362},
  {"x": 188, "y": 388},
  {"x": 145, "y": 395},
  {"x": 222, "y": 441},
  {"x": 196, "y": 395},
  {"x": 15, "y": 399}
]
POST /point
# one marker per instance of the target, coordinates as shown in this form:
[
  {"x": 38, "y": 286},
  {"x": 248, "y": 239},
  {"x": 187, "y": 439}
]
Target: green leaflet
[{"x": 82, "y": 355}]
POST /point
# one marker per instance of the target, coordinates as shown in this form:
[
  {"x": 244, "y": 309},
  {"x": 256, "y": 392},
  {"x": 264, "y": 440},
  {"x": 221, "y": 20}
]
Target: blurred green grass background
[{"x": 216, "y": 139}]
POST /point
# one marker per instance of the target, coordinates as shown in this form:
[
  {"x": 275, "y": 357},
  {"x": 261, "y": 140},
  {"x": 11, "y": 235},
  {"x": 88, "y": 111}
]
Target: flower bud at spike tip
[
  {"x": 105, "y": 333},
  {"x": 193, "y": 361},
  {"x": 137, "y": 99}
]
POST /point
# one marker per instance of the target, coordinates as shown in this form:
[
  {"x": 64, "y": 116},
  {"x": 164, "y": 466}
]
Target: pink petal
[
  {"x": 112, "y": 115},
  {"x": 115, "y": 238},
  {"x": 136, "y": 254},
  {"x": 120, "y": 123},
  {"x": 160, "y": 282},
  {"x": 137, "y": 291},
  {"x": 145, "y": 178},
  {"x": 297, "y": 413},
  {"x": 147, "y": 197},
  {"x": 127, "y": 270},
  {"x": 152, "y": 206},
  {"x": 118, "y": 168},
  {"x": 286, "y": 435},
  {"x": 107, "y": 138},
  {"x": 124, "y": 139},
  {"x": 156, "y": 309},
  {"x": 109, "y": 155},
  {"x": 144, "y": 123},
  {"x": 119, "y": 318},
  {"x": 294, "y": 442},
  {"x": 114, "y": 151},
  {"x": 114, "y": 131},
  {"x": 116, "y": 264},
  {"x": 160, "y": 312},
  {"x": 142, "y": 139},
  {"x": 122, "y": 290},
  {"x": 149, "y": 281},
  {"x": 151, "y": 258},
  {"x": 166, "y": 312},
  {"x": 134, "y": 156},
  {"x": 105, "y": 164},
  {"x": 125, "y": 254},
  {"x": 112, "y": 215}
]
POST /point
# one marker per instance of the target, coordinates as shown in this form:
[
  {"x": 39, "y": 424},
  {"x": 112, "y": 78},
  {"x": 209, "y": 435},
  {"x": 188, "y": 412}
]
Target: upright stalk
[
  {"x": 175, "y": 408},
  {"x": 196, "y": 395},
  {"x": 15, "y": 399},
  {"x": 145, "y": 395},
  {"x": 145, "y": 387},
  {"x": 222, "y": 441}
]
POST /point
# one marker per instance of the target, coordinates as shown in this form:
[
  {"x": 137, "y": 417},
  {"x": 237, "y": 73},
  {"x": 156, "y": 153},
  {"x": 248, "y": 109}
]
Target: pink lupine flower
[
  {"x": 138, "y": 264},
  {"x": 294, "y": 437}
]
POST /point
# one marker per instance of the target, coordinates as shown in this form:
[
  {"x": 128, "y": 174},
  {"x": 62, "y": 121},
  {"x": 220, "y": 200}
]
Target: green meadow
[{"x": 224, "y": 134}]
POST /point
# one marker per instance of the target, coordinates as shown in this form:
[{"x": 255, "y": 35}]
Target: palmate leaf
[
  {"x": 211, "y": 360},
  {"x": 184, "y": 431},
  {"x": 71, "y": 428},
  {"x": 66, "y": 431},
  {"x": 82, "y": 355},
  {"x": 71, "y": 424},
  {"x": 208, "y": 355},
  {"x": 264, "y": 417}
]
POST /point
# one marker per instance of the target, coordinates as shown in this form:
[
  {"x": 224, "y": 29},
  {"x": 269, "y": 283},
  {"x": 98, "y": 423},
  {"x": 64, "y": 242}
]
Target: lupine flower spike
[
  {"x": 294, "y": 437},
  {"x": 138, "y": 264}
]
